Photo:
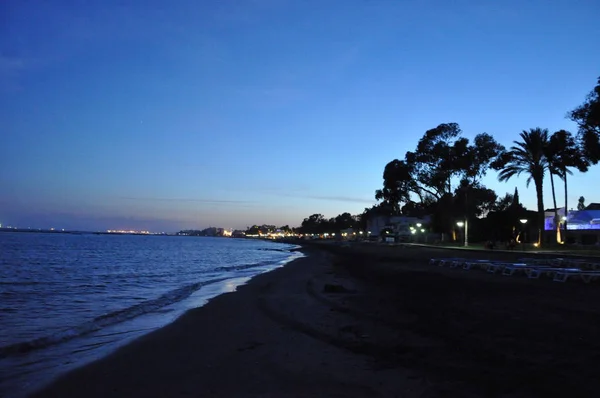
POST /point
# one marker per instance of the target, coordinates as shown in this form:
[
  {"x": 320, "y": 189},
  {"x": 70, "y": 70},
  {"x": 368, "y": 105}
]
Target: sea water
[{"x": 68, "y": 299}]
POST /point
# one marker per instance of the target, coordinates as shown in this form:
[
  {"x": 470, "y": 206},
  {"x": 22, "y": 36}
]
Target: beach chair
[
  {"x": 585, "y": 276},
  {"x": 537, "y": 271},
  {"x": 468, "y": 265},
  {"x": 457, "y": 263},
  {"x": 449, "y": 261},
  {"x": 589, "y": 276},
  {"x": 510, "y": 269},
  {"x": 563, "y": 274},
  {"x": 493, "y": 267}
]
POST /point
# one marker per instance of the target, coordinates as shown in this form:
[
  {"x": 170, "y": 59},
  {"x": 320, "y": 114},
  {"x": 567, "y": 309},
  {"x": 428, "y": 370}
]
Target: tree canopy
[
  {"x": 528, "y": 157},
  {"x": 587, "y": 117},
  {"x": 442, "y": 176},
  {"x": 442, "y": 158}
]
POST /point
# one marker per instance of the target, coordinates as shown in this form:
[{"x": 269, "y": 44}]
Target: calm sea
[{"x": 68, "y": 299}]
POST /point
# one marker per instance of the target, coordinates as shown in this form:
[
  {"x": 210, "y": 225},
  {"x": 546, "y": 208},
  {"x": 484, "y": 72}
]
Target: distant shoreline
[{"x": 55, "y": 231}]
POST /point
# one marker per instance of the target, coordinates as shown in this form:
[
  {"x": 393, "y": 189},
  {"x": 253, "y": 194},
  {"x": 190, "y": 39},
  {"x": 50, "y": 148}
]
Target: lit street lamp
[
  {"x": 523, "y": 221},
  {"x": 461, "y": 224}
]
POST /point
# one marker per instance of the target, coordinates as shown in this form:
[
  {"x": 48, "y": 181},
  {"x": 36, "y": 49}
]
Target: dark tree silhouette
[
  {"x": 564, "y": 153},
  {"x": 587, "y": 117},
  {"x": 528, "y": 156}
]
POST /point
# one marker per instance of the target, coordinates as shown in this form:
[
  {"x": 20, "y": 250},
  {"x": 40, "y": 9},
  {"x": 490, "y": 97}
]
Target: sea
[{"x": 69, "y": 299}]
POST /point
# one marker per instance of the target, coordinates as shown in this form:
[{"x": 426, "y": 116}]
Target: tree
[
  {"x": 587, "y": 117},
  {"x": 473, "y": 200},
  {"x": 314, "y": 224},
  {"x": 504, "y": 203},
  {"x": 528, "y": 156},
  {"x": 479, "y": 157},
  {"x": 285, "y": 229},
  {"x": 344, "y": 221},
  {"x": 581, "y": 203},
  {"x": 565, "y": 153},
  {"x": 551, "y": 151},
  {"x": 442, "y": 158},
  {"x": 397, "y": 185}
]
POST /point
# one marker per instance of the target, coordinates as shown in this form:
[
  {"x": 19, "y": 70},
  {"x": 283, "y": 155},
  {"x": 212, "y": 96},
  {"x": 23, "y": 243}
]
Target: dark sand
[{"x": 399, "y": 328}]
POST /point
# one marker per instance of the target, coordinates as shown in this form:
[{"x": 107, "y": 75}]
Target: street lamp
[
  {"x": 523, "y": 221},
  {"x": 461, "y": 224}
]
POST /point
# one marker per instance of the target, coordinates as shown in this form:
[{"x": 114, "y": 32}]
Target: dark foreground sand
[{"x": 398, "y": 328}]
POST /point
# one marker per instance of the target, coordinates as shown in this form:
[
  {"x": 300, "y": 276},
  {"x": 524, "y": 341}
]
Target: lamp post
[
  {"x": 461, "y": 224},
  {"x": 523, "y": 221}
]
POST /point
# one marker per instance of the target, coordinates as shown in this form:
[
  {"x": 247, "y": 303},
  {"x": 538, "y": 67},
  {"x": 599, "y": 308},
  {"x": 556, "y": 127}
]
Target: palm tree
[
  {"x": 529, "y": 156},
  {"x": 552, "y": 153},
  {"x": 566, "y": 153}
]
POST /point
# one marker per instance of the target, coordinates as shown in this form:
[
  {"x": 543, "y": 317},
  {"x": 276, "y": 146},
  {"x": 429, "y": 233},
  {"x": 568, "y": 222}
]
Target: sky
[{"x": 187, "y": 114}]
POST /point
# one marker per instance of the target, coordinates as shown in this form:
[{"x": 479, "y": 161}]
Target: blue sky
[{"x": 167, "y": 115}]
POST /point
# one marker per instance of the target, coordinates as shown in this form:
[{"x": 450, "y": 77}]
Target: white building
[{"x": 400, "y": 225}]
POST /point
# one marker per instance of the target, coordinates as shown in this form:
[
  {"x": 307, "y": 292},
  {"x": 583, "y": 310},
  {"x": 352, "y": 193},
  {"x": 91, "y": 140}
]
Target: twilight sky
[{"x": 183, "y": 114}]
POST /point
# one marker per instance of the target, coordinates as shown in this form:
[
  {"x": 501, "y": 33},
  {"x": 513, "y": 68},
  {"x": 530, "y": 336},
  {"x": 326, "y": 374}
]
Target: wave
[
  {"x": 21, "y": 283},
  {"x": 136, "y": 310},
  {"x": 243, "y": 266},
  {"x": 287, "y": 249},
  {"x": 105, "y": 320}
]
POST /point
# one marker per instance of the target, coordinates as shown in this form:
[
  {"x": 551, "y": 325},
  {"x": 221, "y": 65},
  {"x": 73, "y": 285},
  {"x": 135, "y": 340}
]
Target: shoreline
[
  {"x": 364, "y": 322},
  {"x": 34, "y": 369},
  {"x": 257, "y": 341}
]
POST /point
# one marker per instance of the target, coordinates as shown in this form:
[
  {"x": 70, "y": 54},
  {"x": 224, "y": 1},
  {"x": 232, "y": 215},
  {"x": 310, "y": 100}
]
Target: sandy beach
[{"x": 365, "y": 322}]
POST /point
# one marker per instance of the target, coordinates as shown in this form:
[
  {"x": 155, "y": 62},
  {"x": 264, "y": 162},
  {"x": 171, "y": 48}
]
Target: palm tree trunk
[
  {"x": 556, "y": 218},
  {"x": 566, "y": 208},
  {"x": 540, "y": 204}
]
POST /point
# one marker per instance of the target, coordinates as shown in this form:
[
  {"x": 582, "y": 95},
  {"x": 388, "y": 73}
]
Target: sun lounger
[
  {"x": 493, "y": 267},
  {"x": 449, "y": 261},
  {"x": 440, "y": 261},
  {"x": 457, "y": 263},
  {"x": 536, "y": 272},
  {"x": 510, "y": 269},
  {"x": 563, "y": 274},
  {"x": 475, "y": 264},
  {"x": 585, "y": 276},
  {"x": 589, "y": 276}
]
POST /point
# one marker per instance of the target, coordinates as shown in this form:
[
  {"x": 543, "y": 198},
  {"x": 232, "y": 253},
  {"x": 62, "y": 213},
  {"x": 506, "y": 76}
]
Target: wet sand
[{"x": 365, "y": 322}]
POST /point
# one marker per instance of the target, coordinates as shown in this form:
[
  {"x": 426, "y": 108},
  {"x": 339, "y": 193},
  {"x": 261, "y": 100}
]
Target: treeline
[
  {"x": 267, "y": 229},
  {"x": 442, "y": 176},
  {"x": 318, "y": 224}
]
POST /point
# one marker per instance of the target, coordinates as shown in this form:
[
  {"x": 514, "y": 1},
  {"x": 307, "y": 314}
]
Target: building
[
  {"x": 397, "y": 225},
  {"x": 583, "y": 226}
]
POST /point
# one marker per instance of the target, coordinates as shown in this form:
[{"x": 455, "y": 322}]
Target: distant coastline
[{"x": 61, "y": 231}]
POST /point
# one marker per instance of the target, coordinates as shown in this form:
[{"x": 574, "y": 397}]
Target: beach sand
[{"x": 365, "y": 322}]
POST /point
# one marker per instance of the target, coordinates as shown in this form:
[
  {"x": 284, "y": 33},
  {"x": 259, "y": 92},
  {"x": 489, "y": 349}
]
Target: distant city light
[{"x": 121, "y": 231}]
